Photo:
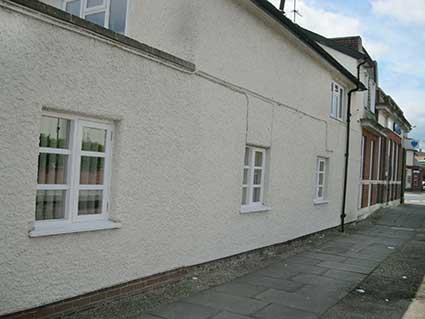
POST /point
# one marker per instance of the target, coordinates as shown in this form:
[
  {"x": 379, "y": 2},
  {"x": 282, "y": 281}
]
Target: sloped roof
[
  {"x": 388, "y": 101},
  {"x": 302, "y": 35}
]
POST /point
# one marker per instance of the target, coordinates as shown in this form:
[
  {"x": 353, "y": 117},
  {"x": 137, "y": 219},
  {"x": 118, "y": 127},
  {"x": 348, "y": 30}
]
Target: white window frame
[
  {"x": 250, "y": 205},
  {"x": 105, "y": 7},
  {"x": 72, "y": 222},
  {"x": 371, "y": 163},
  {"x": 338, "y": 101},
  {"x": 324, "y": 186}
]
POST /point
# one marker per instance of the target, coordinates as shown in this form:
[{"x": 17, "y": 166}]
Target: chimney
[{"x": 351, "y": 42}]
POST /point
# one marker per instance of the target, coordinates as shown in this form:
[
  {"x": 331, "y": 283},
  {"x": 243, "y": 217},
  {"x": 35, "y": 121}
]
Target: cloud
[
  {"x": 375, "y": 48},
  {"x": 407, "y": 11},
  {"x": 321, "y": 21},
  {"x": 397, "y": 43}
]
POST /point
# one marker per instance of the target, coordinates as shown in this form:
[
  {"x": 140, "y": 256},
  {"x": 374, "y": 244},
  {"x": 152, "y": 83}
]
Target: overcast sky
[{"x": 393, "y": 33}]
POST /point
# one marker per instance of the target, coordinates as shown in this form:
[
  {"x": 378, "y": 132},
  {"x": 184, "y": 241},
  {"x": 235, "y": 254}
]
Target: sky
[{"x": 393, "y": 32}]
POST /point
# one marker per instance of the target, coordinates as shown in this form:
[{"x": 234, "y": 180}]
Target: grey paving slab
[
  {"x": 234, "y": 304},
  {"x": 309, "y": 269},
  {"x": 184, "y": 310},
  {"x": 229, "y": 315},
  {"x": 344, "y": 275},
  {"x": 239, "y": 289},
  {"x": 361, "y": 262},
  {"x": 268, "y": 282},
  {"x": 275, "y": 311},
  {"x": 277, "y": 271},
  {"x": 347, "y": 267},
  {"x": 302, "y": 260},
  {"x": 320, "y": 280},
  {"x": 145, "y": 316},
  {"x": 317, "y": 304},
  {"x": 323, "y": 256},
  {"x": 328, "y": 292}
]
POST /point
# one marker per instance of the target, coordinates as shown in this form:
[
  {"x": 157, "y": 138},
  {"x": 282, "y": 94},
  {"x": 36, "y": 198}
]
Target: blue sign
[{"x": 415, "y": 143}]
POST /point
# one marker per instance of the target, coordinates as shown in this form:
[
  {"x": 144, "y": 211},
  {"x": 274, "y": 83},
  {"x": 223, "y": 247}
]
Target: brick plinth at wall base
[
  {"x": 143, "y": 285},
  {"x": 108, "y": 294}
]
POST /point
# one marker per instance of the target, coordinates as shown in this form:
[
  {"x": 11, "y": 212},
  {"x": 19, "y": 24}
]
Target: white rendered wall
[{"x": 177, "y": 153}]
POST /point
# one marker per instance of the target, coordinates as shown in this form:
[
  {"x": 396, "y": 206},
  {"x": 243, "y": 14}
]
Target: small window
[
  {"x": 253, "y": 177},
  {"x": 321, "y": 179},
  {"x": 73, "y": 170},
  {"x": 338, "y": 101},
  {"x": 111, "y": 14}
]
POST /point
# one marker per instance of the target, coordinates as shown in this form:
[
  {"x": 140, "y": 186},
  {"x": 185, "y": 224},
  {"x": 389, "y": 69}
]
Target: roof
[
  {"x": 302, "y": 35},
  {"x": 386, "y": 100},
  {"x": 334, "y": 45}
]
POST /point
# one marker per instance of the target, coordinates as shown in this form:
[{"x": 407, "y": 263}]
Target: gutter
[{"x": 347, "y": 144}]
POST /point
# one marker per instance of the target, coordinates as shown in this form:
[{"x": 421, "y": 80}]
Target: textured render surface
[{"x": 177, "y": 153}]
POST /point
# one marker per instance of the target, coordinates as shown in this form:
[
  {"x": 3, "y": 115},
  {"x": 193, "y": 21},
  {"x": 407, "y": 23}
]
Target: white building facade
[{"x": 120, "y": 161}]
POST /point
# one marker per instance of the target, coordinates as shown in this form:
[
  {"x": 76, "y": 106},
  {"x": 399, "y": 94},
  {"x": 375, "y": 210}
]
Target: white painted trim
[
  {"x": 73, "y": 180},
  {"x": 320, "y": 202},
  {"x": 59, "y": 228},
  {"x": 254, "y": 209},
  {"x": 371, "y": 163},
  {"x": 317, "y": 198},
  {"x": 250, "y": 186},
  {"x": 104, "y": 7},
  {"x": 339, "y": 113}
]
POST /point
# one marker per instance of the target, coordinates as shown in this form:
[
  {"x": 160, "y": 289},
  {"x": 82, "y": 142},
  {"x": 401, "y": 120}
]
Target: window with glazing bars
[
  {"x": 253, "y": 176},
  {"x": 73, "y": 169}
]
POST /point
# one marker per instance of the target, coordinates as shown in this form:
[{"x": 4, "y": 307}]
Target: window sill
[
  {"x": 254, "y": 209},
  {"x": 320, "y": 202},
  {"x": 342, "y": 121},
  {"x": 69, "y": 228}
]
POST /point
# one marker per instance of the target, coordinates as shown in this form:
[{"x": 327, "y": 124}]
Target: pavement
[
  {"x": 374, "y": 270},
  {"x": 415, "y": 198}
]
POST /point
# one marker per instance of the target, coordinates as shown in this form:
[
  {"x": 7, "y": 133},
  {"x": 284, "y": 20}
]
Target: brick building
[{"x": 382, "y": 149}]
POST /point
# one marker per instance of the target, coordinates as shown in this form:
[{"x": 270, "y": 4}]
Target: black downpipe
[
  {"x": 347, "y": 146},
  {"x": 403, "y": 177}
]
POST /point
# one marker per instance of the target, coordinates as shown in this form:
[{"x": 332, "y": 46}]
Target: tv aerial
[{"x": 294, "y": 11}]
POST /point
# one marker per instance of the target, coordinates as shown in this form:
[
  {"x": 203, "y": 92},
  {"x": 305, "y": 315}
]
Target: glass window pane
[
  {"x": 54, "y": 132},
  {"x": 320, "y": 192},
  {"x": 321, "y": 177},
  {"x": 257, "y": 176},
  {"x": 52, "y": 168},
  {"x": 244, "y": 195},
  {"x": 245, "y": 176},
  {"x": 93, "y": 139},
  {"x": 90, "y": 202},
  {"x": 321, "y": 166},
  {"x": 256, "y": 194},
  {"x": 92, "y": 170},
  {"x": 246, "y": 161},
  {"x": 117, "y": 16},
  {"x": 50, "y": 204},
  {"x": 258, "y": 159},
  {"x": 73, "y": 7},
  {"x": 97, "y": 18},
  {"x": 94, "y": 3}
]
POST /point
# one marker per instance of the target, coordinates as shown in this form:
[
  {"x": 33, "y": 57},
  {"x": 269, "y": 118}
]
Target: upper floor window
[
  {"x": 73, "y": 171},
  {"x": 253, "y": 179},
  {"x": 371, "y": 95},
  {"x": 111, "y": 14},
  {"x": 338, "y": 101}
]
